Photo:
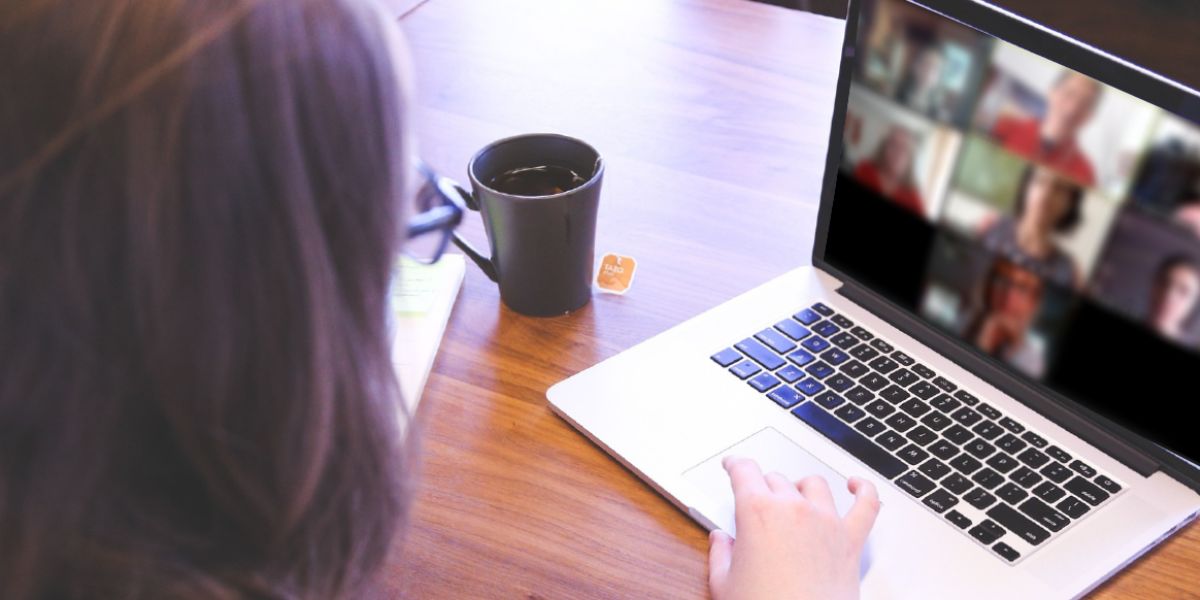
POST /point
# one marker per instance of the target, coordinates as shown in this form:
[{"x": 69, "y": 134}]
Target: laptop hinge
[{"x": 1080, "y": 421}]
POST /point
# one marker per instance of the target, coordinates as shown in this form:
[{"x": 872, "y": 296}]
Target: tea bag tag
[{"x": 615, "y": 275}]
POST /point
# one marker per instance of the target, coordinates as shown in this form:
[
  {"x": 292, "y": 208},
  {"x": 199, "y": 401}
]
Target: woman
[
  {"x": 200, "y": 202},
  {"x": 1009, "y": 300},
  {"x": 889, "y": 170},
  {"x": 1174, "y": 297},
  {"x": 1046, "y": 206}
]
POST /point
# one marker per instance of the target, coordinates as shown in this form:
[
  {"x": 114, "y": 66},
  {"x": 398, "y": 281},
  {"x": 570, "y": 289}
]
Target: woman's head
[
  {"x": 1175, "y": 295},
  {"x": 1012, "y": 292},
  {"x": 896, "y": 153},
  {"x": 198, "y": 214},
  {"x": 1048, "y": 201}
]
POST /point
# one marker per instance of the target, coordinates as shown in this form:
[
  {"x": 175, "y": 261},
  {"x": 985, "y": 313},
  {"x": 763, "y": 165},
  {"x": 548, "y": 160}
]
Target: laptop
[{"x": 1000, "y": 327}]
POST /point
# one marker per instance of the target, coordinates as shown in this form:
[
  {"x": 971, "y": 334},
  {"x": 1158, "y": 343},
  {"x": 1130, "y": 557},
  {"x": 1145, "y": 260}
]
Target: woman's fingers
[
  {"x": 781, "y": 485},
  {"x": 861, "y": 516},
  {"x": 745, "y": 476},
  {"x": 816, "y": 490}
]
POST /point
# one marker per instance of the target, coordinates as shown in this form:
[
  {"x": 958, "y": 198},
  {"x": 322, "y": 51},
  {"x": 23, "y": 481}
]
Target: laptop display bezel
[{"x": 1139, "y": 453}]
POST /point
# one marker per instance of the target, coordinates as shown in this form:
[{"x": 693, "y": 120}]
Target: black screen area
[{"x": 1046, "y": 221}]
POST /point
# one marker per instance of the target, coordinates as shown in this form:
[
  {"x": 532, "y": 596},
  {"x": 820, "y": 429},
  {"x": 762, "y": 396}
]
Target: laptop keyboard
[{"x": 985, "y": 473}]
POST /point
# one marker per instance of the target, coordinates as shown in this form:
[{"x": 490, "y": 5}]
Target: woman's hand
[{"x": 791, "y": 543}]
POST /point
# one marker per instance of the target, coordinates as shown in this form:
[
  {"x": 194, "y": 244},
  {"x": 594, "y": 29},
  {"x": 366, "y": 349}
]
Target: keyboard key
[
  {"x": 862, "y": 334},
  {"x": 873, "y": 381},
  {"x": 987, "y": 478},
  {"x": 894, "y": 394},
  {"x": 790, "y": 374},
  {"x": 1044, "y": 515},
  {"x": 844, "y": 340},
  {"x": 923, "y": 390},
  {"x": 934, "y": 469},
  {"x": 1057, "y": 454},
  {"x": 764, "y": 382},
  {"x": 966, "y": 398},
  {"x": 860, "y": 395},
  {"x": 1002, "y": 463},
  {"x": 987, "y": 430},
  {"x": 988, "y": 411},
  {"x": 882, "y": 346},
  {"x": 884, "y": 365},
  {"x": 965, "y": 464},
  {"x": 842, "y": 321},
  {"x": 810, "y": 387},
  {"x": 1017, "y": 523},
  {"x": 978, "y": 448},
  {"x": 945, "y": 403},
  {"x": 902, "y": 358},
  {"x": 850, "y": 440},
  {"x": 922, "y": 370},
  {"x": 1107, "y": 484},
  {"x": 904, "y": 377},
  {"x": 1010, "y": 424},
  {"x": 900, "y": 422},
  {"x": 745, "y": 369},
  {"x": 979, "y": 498},
  {"x": 966, "y": 416},
  {"x": 1049, "y": 492},
  {"x": 821, "y": 308},
  {"x": 801, "y": 358},
  {"x": 915, "y": 484},
  {"x": 1033, "y": 458},
  {"x": 1011, "y": 493},
  {"x": 880, "y": 409},
  {"x": 835, "y": 357},
  {"x": 957, "y": 483},
  {"x": 1025, "y": 477},
  {"x": 958, "y": 519},
  {"x": 839, "y": 383},
  {"x": 987, "y": 532},
  {"x": 944, "y": 384},
  {"x": 785, "y": 397},
  {"x": 807, "y": 316},
  {"x": 921, "y": 435},
  {"x": 912, "y": 454},
  {"x": 891, "y": 440},
  {"x": 864, "y": 353},
  {"x": 829, "y": 400},
  {"x": 726, "y": 357},
  {"x": 1006, "y": 552},
  {"x": 825, "y": 329},
  {"x": 1034, "y": 439},
  {"x": 819, "y": 370},
  {"x": 850, "y": 413},
  {"x": 1086, "y": 490},
  {"x": 793, "y": 329},
  {"x": 1083, "y": 469},
  {"x": 915, "y": 408},
  {"x": 936, "y": 421},
  {"x": 815, "y": 344},
  {"x": 1056, "y": 473},
  {"x": 1073, "y": 507},
  {"x": 869, "y": 426},
  {"x": 958, "y": 434},
  {"x": 855, "y": 369},
  {"x": 775, "y": 341},
  {"x": 940, "y": 501},
  {"x": 943, "y": 449},
  {"x": 760, "y": 354}
]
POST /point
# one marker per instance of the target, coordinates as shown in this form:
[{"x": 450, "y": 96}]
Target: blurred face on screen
[
  {"x": 897, "y": 153},
  {"x": 1174, "y": 298},
  {"x": 1014, "y": 293},
  {"x": 1047, "y": 200},
  {"x": 1188, "y": 215},
  {"x": 927, "y": 69},
  {"x": 1069, "y": 107}
]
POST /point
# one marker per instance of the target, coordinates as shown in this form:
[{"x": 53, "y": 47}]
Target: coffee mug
[{"x": 538, "y": 195}]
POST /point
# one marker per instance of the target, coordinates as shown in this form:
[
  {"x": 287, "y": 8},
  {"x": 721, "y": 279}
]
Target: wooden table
[{"x": 713, "y": 116}]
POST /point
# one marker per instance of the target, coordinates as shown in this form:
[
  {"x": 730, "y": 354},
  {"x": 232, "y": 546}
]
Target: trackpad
[{"x": 774, "y": 452}]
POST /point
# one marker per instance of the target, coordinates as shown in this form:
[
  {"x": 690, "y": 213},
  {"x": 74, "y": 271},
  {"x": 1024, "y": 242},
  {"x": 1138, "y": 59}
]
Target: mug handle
[{"x": 486, "y": 264}]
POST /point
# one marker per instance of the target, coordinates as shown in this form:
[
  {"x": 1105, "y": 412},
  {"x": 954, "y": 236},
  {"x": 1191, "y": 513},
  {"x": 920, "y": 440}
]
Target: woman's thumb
[{"x": 720, "y": 554}]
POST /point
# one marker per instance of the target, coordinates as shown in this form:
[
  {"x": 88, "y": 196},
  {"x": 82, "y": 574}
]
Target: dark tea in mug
[{"x": 542, "y": 180}]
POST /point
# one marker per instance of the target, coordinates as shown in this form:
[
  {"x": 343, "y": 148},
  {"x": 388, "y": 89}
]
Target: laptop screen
[{"x": 1046, "y": 220}]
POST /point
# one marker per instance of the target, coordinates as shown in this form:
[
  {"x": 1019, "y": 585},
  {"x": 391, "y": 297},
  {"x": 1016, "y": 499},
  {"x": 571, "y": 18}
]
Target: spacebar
[{"x": 850, "y": 440}]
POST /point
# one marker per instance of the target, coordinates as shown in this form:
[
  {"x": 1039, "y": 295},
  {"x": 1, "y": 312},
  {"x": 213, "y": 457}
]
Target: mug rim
[{"x": 516, "y": 138}]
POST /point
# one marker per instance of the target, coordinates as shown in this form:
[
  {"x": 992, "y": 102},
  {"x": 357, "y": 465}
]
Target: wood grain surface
[{"x": 713, "y": 116}]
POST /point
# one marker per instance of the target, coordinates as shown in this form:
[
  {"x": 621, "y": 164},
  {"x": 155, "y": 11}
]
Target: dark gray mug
[{"x": 542, "y": 247}]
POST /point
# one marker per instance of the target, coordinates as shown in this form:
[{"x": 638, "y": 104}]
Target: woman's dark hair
[
  {"x": 198, "y": 218},
  {"x": 1166, "y": 265},
  {"x": 1070, "y": 219}
]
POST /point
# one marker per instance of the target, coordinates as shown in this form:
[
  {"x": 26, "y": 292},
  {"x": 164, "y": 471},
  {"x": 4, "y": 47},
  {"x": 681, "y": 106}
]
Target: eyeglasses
[{"x": 440, "y": 208}]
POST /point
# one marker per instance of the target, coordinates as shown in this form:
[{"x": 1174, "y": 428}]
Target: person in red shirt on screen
[
  {"x": 1054, "y": 141},
  {"x": 889, "y": 171}
]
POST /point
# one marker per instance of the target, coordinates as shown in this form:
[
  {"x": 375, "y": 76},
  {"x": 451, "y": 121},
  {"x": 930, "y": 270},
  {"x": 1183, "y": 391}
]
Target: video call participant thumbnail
[
  {"x": 1054, "y": 139},
  {"x": 1046, "y": 205}
]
